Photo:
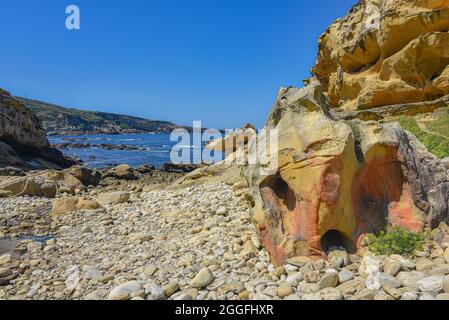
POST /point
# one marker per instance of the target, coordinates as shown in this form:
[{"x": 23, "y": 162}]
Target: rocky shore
[
  {"x": 105, "y": 146},
  {"x": 183, "y": 243},
  {"x": 344, "y": 172}
]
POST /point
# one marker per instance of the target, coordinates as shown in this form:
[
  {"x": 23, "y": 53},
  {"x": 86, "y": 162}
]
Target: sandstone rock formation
[
  {"x": 23, "y": 133},
  {"x": 339, "y": 180},
  {"x": 48, "y": 183},
  {"x": 342, "y": 171},
  {"x": 386, "y": 52},
  {"x": 234, "y": 140}
]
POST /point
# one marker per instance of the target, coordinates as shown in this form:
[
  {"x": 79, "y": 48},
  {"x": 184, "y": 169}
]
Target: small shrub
[{"x": 396, "y": 240}]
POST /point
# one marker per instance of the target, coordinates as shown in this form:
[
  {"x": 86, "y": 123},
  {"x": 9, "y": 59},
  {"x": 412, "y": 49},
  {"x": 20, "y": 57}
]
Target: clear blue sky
[{"x": 219, "y": 61}]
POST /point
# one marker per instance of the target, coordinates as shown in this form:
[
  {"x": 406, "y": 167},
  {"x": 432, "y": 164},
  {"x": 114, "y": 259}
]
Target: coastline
[{"x": 156, "y": 239}]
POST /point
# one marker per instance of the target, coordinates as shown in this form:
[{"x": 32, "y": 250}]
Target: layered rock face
[
  {"x": 339, "y": 180},
  {"x": 23, "y": 136},
  {"x": 386, "y": 52},
  {"x": 342, "y": 173}
]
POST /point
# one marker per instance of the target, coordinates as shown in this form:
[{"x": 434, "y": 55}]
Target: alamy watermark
[
  {"x": 73, "y": 20},
  {"x": 241, "y": 147}
]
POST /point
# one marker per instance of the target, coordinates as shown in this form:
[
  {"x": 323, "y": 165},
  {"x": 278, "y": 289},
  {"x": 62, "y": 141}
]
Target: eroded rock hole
[
  {"x": 285, "y": 194},
  {"x": 378, "y": 191},
  {"x": 336, "y": 240},
  {"x": 278, "y": 197}
]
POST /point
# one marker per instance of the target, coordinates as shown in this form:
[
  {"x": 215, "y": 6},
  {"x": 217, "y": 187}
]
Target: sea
[{"x": 156, "y": 149}]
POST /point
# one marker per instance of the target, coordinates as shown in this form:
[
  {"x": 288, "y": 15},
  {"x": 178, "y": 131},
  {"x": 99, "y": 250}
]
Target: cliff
[
  {"x": 23, "y": 140},
  {"x": 345, "y": 167},
  {"x": 384, "y": 53}
]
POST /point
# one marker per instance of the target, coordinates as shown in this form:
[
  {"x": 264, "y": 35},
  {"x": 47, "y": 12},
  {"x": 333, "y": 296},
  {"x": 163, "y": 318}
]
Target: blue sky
[{"x": 219, "y": 61}]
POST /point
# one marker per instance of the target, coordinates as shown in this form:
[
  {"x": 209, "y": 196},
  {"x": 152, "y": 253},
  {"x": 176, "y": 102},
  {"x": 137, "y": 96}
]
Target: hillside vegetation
[
  {"x": 432, "y": 130},
  {"x": 58, "y": 120}
]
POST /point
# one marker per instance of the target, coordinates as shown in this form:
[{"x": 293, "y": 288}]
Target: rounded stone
[
  {"x": 443, "y": 296},
  {"x": 331, "y": 294},
  {"x": 285, "y": 290},
  {"x": 345, "y": 276},
  {"x": 431, "y": 284},
  {"x": 125, "y": 290},
  {"x": 203, "y": 279}
]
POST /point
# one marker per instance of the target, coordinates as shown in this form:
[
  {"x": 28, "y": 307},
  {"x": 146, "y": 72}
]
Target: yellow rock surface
[
  {"x": 386, "y": 52},
  {"x": 337, "y": 180}
]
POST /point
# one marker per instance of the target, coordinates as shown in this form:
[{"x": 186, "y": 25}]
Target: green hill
[{"x": 58, "y": 120}]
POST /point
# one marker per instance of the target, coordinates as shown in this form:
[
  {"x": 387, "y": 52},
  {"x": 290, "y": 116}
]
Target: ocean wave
[{"x": 187, "y": 147}]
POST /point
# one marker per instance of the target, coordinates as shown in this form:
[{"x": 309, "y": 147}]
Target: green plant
[
  {"x": 396, "y": 240},
  {"x": 436, "y": 144}
]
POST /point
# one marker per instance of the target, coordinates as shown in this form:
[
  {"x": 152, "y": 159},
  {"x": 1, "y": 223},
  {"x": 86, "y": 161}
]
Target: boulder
[
  {"x": 87, "y": 176},
  {"x": 424, "y": 264},
  {"x": 202, "y": 279},
  {"x": 432, "y": 284},
  {"x": 113, "y": 198},
  {"x": 329, "y": 280},
  {"x": 41, "y": 184},
  {"x": 145, "y": 169},
  {"x": 121, "y": 172},
  {"x": 178, "y": 168},
  {"x": 171, "y": 288},
  {"x": 233, "y": 140},
  {"x": 125, "y": 290},
  {"x": 49, "y": 190},
  {"x": 311, "y": 195},
  {"x": 35, "y": 186},
  {"x": 84, "y": 204},
  {"x": 392, "y": 266},
  {"x": 64, "y": 205}
]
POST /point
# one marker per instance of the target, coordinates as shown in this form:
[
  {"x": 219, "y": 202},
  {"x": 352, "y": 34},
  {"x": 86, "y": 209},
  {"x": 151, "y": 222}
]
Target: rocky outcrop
[
  {"x": 87, "y": 176},
  {"x": 25, "y": 138},
  {"x": 339, "y": 180},
  {"x": 386, "y": 52},
  {"x": 341, "y": 172},
  {"x": 233, "y": 140},
  {"x": 50, "y": 182},
  {"x": 178, "y": 168}
]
